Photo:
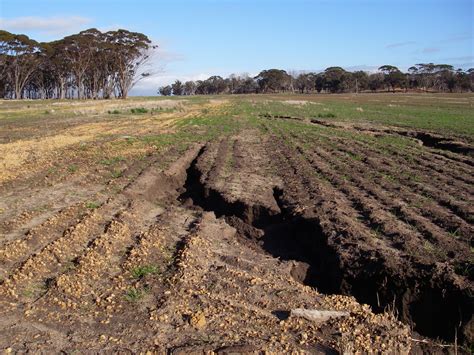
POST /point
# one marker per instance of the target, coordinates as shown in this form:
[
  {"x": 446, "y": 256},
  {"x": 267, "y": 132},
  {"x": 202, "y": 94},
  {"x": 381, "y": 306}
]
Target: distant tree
[
  {"x": 393, "y": 77},
  {"x": 334, "y": 78},
  {"x": 376, "y": 81},
  {"x": 178, "y": 88},
  {"x": 211, "y": 86},
  {"x": 273, "y": 80},
  {"x": 305, "y": 82},
  {"x": 463, "y": 80},
  {"x": 360, "y": 81},
  {"x": 319, "y": 82},
  {"x": 78, "y": 51},
  {"x": 470, "y": 75},
  {"x": 165, "y": 90},
  {"x": 247, "y": 86},
  {"x": 189, "y": 88}
]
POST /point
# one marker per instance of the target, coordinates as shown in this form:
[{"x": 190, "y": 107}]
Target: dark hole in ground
[{"x": 435, "y": 310}]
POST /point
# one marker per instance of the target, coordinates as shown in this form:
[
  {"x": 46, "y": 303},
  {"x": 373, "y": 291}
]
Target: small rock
[
  {"x": 198, "y": 320},
  {"x": 317, "y": 315}
]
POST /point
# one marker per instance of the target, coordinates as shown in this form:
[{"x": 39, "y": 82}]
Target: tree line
[
  {"x": 89, "y": 64},
  {"x": 420, "y": 77}
]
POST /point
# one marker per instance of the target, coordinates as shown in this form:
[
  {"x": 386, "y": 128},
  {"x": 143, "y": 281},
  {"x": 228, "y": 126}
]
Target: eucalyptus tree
[
  {"x": 189, "y": 88},
  {"x": 165, "y": 90},
  {"x": 178, "y": 88},
  {"x": 334, "y": 78},
  {"x": 273, "y": 80},
  {"x": 131, "y": 50},
  {"x": 393, "y": 77},
  {"x": 20, "y": 59}
]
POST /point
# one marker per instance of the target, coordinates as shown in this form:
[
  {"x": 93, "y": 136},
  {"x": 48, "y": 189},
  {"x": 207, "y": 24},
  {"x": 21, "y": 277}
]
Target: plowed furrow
[
  {"x": 382, "y": 221},
  {"x": 98, "y": 272},
  {"x": 463, "y": 162},
  {"x": 394, "y": 204},
  {"x": 58, "y": 256},
  {"x": 440, "y": 215},
  {"x": 218, "y": 163},
  {"x": 405, "y": 177},
  {"x": 397, "y": 159},
  {"x": 435, "y": 217},
  {"x": 17, "y": 251},
  {"x": 338, "y": 215}
]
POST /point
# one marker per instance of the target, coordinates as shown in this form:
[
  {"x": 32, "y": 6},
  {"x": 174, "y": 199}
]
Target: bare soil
[{"x": 209, "y": 248}]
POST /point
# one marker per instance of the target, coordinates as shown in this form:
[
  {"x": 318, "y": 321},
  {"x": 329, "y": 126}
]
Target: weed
[
  {"x": 355, "y": 156},
  {"x": 112, "y": 160},
  {"x": 428, "y": 246},
  {"x": 464, "y": 269},
  {"x": 35, "y": 290},
  {"x": 326, "y": 115},
  {"x": 92, "y": 205},
  {"x": 116, "y": 173},
  {"x": 133, "y": 294},
  {"x": 138, "y": 110},
  {"x": 141, "y": 271},
  {"x": 113, "y": 112},
  {"x": 455, "y": 233},
  {"x": 72, "y": 168}
]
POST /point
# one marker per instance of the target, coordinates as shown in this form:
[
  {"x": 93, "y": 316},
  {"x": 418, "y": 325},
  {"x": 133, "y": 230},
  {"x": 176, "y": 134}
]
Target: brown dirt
[{"x": 208, "y": 249}]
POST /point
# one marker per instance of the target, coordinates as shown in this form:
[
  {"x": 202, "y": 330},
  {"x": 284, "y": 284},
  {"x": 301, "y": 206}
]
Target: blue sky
[{"x": 199, "y": 38}]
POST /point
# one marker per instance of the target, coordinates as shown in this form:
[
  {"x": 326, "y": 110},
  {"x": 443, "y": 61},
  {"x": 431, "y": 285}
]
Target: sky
[{"x": 200, "y": 38}]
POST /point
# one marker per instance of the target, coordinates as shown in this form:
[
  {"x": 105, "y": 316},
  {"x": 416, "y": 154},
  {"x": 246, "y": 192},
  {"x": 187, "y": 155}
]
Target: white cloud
[
  {"x": 400, "y": 44},
  {"x": 431, "y": 50},
  {"x": 47, "y": 25}
]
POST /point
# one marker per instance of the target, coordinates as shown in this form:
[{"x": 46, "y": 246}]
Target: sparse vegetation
[
  {"x": 144, "y": 270},
  {"x": 92, "y": 205},
  {"x": 138, "y": 110},
  {"x": 351, "y": 180},
  {"x": 134, "y": 294}
]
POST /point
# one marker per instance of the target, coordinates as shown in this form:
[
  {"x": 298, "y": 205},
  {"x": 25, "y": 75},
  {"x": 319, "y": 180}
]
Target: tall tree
[
  {"x": 273, "y": 80},
  {"x": 393, "y": 77},
  {"x": 178, "y": 88},
  {"x": 165, "y": 90},
  {"x": 334, "y": 78},
  {"x": 189, "y": 88},
  {"x": 20, "y": 59},
  {"x": 131, "y": 50}
]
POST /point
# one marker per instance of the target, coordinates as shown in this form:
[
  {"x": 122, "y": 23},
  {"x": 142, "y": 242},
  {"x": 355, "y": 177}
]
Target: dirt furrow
[
  {"x": 59, "y": 255},
  {"x": 383, "y": 223},
  {"x": 439, "y": 215},
  {"x": 17, "y": 251},
  {"x": 461, "y": 209},
  {"x": 401, "y": 159},
  {"x": 447, "y": 246},
  {"x": 416, "y": 289}
]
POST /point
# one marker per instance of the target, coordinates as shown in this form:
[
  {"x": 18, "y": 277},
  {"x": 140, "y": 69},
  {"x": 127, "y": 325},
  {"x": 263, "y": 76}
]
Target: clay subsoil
[{"x": 211, "y": 252}]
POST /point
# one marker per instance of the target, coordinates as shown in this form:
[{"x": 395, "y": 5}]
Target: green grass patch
[
  {"x": 72, "y": 168},
  {"x": 92, "y": 205},
  {"x": 116, "y": 173},
  {"x": 138, "y": 110},
  {"x": 142, "y": 271},
  {"x": 134, "y": 295},
  {"x": 112, "y": 161}
]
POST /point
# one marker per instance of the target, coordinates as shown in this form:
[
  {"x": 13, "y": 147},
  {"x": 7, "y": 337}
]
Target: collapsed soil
[{"x": 210, "y": 247}]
